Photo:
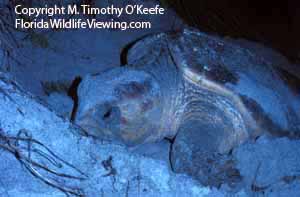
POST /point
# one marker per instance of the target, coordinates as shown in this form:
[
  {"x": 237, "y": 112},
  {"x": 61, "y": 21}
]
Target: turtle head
[{"x": 122, "y": 104}]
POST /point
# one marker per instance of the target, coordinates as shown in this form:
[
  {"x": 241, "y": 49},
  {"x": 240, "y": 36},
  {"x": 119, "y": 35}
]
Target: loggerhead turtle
[{"x": 175, "y": 81}]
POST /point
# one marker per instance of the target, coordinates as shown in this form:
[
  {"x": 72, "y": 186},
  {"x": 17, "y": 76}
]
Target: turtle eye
[
  {"x": 107, "y": 114},
  {"x": 111, "y": 113}
]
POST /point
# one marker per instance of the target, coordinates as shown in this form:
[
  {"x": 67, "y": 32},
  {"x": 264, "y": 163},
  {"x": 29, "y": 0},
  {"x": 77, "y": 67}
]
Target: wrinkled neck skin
[
  {"x": 172, "y": 87},
  {"x": 163, "y": 69},
  {"x": 179, "y": 94},
  {"x": 219, "y": 110},
  {"x": 182, "y": 100},
  {"x": 202, "y": 99},
  {"x": 172, "y": 95}
]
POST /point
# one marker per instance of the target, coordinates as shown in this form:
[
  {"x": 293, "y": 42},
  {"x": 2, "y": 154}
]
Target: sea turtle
[{"x": 188, "y": 80}]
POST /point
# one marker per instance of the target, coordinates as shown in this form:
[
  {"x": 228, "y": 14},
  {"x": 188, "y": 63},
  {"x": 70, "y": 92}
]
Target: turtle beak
[
  {"x": 79, "y": 120},
  {"x": 88, "y": 125}
]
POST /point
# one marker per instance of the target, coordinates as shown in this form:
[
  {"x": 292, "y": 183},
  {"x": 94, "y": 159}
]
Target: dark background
[{"x": 275, "y": 23}]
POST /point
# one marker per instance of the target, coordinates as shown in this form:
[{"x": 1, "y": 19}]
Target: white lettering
[
  {"x": 72, "y": 10},
  {"x": 156, "y": 10},
  {"x": 36, "y": 12},
  {"x": 129, "y": 9}
]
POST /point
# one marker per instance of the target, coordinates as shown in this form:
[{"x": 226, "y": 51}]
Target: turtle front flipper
[{"x": 203, "y": 145}]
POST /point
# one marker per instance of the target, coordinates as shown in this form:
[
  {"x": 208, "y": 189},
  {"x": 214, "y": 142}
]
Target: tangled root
[{"x": 48, "y": 165}]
